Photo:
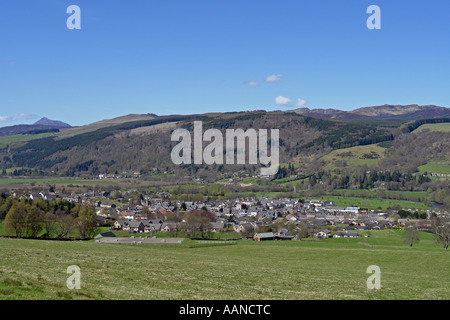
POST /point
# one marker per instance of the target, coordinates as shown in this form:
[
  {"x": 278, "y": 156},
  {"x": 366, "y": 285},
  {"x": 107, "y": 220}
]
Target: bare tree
[
  {"x": 441, "y": 230},
  {"x": 411, "y": 235},
  {"x": 49, "y": 224},
  {"x": 302, "y": 231},
  {"x": 65, "y": 224},
  {"x": 248, "y": 230}
]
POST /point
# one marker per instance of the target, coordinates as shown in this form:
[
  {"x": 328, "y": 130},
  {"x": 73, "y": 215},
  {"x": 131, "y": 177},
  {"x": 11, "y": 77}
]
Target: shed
[
  {"x": 105, "y": 234},
  {"x": 264, "y": 236}
]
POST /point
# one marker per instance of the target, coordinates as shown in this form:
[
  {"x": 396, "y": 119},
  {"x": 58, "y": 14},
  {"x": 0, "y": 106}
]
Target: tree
[
  {"x": 198, "y": 221},
  {"x": 65, "y": 223},
  {"x": 248, "y": 231},
  {"x": 33, "y": 221},
  {"x": 302, "y": 231},
  {"x": 441, "y": 230},
  {"x": 5, "y": 206},
  {"x": 23, "y": 220},
  {"x": 48, "y": 224},
  {"x": 411, "y": 235},
  {"x": 14, "y": 224},
  {"x": 85, "y": 222}
]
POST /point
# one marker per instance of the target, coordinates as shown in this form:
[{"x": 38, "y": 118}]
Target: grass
[
  {"x": 355, "y": 156},
  {"x": 57, "y": 181},
  {"x": 436, "y": 166},
  {"x": 441, "y": 127},
  {"x": 19, "y": 138},
  {"x": 333, "y": 269},
  {"x": 372, "y": 203}
]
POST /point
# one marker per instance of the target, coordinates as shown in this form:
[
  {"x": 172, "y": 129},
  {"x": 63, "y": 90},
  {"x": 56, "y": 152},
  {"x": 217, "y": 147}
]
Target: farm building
[
  {"x": 264, "y": 236},
  {"x": 105, "y": 234},
  {"x": 346, "y": 234}
]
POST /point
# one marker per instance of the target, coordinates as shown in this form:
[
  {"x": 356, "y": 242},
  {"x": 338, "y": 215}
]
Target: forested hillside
[{"x": 119, "y": 148}]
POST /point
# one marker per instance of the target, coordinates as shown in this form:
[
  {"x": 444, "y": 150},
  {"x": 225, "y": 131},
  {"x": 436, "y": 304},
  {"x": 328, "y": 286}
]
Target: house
[
  {"x": 242, "y": 227},
  {"x": 134, "y": 226},
  {"x": 119, "y": 224},
  {"x": 284, "y": 234},
  {"x": 36, "y": 196},
  {"x": 169, "y": 226},
  {"x": 217, "y": 226},
  {"x": 152, "y": 225},
  {"x": 323, "y": 234},
  {"x": 102, "y": 213},
  {"x": 263, "y": 236},
  {"x": 127, "y": 215}
]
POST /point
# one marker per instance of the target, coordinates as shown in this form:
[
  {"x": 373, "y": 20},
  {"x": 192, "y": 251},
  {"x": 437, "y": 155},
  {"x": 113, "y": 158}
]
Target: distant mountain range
[
  {"x": 142, "y": 142},
  {"x": 40, "y": 126},
  {"x": 373, "y": 115},
  {"x": 394, "y": 112}
]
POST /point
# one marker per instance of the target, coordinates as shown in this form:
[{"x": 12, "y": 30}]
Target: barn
[{"x": 263, "y": 236}]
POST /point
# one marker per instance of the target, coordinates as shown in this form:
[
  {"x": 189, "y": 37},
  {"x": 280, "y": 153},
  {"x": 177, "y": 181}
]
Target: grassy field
[
  {"x": 19, "y": 138},
  {"x": 442, "y": 127},
  {"x": 56, "y": 181},
  {"x": 436, "y": 166},
  {"x": 354, "y": 156},
  {"x": 372, "y": 203},
  {"x": 333, "y": 269}
]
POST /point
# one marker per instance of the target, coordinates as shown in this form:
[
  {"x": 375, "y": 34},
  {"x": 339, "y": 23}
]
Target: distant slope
[
  {"x": 118, "y": 148},
  {"x": 384, "y": 112},
  {"x": 106, "y": 123},
  {"x": 52, "y": 123},
  {"x": 41, "y": 126}
]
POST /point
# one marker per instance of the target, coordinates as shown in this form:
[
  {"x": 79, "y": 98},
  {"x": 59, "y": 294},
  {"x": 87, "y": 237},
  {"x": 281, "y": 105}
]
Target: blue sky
[{"x": 196, "y": 56}]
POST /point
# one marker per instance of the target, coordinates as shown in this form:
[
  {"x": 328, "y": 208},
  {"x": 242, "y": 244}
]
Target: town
[{"x": 257, "y": 218}]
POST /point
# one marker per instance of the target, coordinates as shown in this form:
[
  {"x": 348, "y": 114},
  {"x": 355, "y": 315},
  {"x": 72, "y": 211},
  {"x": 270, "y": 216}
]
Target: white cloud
[
  {"x": 273, "y": 78},
  {"x": 300, "y": 103},
  {"x": 280, "y": 100},
  {"x": 251, "y": 83},
  {"x": 20, "y": 116}
]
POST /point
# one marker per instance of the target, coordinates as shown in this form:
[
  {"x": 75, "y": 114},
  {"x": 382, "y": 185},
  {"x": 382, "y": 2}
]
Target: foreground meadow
[{"x": 307, "y": 270}]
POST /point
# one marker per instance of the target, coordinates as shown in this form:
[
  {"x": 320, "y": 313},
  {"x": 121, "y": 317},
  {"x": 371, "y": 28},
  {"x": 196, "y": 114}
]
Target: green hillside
[{"x": 117, "y": 148}]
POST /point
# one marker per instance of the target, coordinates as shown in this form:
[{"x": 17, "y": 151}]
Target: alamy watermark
[
  {"x": 374, "y": 281},
  {"x": 74, "y": 281},
  {"x": 235, "y": 147}
]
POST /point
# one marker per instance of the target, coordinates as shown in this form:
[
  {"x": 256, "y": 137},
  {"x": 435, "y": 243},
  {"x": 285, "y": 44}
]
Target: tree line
[{"x": 47, "y": 219}]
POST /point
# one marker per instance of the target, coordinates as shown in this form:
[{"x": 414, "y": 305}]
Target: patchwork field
[
  {"x": 354, "y": 156},
  {"x": 280, "y": 270}
]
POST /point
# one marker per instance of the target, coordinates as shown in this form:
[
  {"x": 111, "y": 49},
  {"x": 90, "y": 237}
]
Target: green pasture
[
  {"x": 306, "y": 270},
  {"x": 372, "y": 203},
  {"x": 19, "y": 138},
  {"x": 354, "y": 156},
  {"x": 436, "y": 166},
  {"x": 442, "y": 127},
  {"x": 56, "y": 181}
]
